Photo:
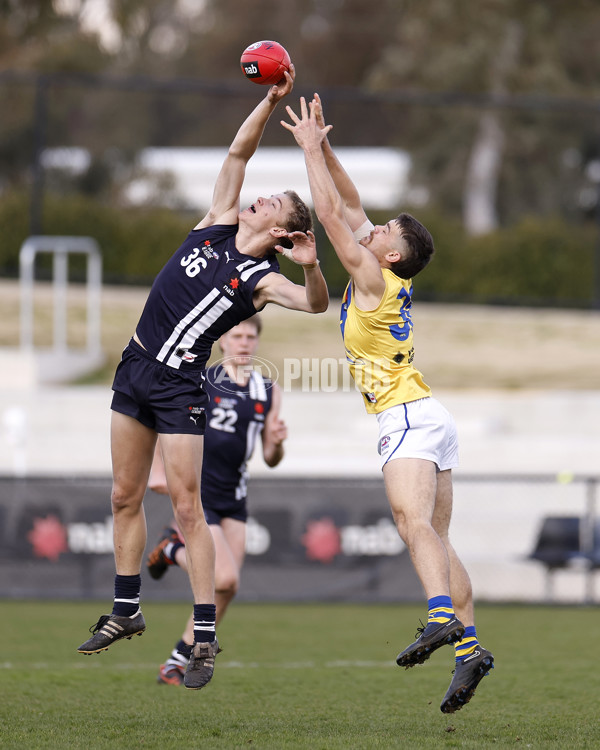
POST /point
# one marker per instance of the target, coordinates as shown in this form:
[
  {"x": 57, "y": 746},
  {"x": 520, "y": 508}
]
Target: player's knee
[
  {"x": 401, "y": 526},
  {"x": 416, "y": 529},
  {"x": 443, "y": 535},
  {"x": 188, "y": 517},
  {"x": 227, "y": 584},
  {"x": 158, "y": 485},
  {"x": 124, "y": 499}
]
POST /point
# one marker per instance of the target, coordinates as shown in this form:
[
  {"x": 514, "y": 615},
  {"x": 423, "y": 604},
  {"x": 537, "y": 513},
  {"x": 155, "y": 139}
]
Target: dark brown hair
[{"x": 420, "y": 247}]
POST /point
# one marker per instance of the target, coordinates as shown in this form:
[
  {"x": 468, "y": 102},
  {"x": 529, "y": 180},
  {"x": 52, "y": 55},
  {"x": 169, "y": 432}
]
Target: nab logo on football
[{"x": 251, "y": 70}]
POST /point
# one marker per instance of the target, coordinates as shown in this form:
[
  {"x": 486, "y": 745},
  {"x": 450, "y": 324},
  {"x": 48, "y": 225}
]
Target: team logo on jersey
[
  {"x": 259, "y": 408},
  {"x": 185, "y": 355},
  {"x": 232, "y": 286},
  {"x": 209, "y": 251},
  {"x": 225, "y": 403},
  {"x": 370, "y": 397}
]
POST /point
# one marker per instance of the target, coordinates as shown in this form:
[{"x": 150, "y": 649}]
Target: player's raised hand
[
  {"x": 303, "y": 249},
  {"x": 277, "y": 92},
  {"x": 317, "y": 106},
  {"x": 278, "y": 430},
  {"x": 305, "y": 128}
]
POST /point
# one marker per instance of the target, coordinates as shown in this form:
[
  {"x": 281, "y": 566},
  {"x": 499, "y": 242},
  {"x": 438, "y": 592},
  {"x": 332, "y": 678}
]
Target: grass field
[
  {"x": 321, "y": 677},
  {"x": 457, "y": 346}
]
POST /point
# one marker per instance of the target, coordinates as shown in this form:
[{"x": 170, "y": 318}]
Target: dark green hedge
[
  {"x": 537, "y": 261},
  {"x": 135, "y": 243}
]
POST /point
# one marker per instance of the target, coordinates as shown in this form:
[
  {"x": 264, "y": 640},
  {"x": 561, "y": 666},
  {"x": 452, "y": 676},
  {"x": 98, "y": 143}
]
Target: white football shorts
[{"x": 418, "y": 429}]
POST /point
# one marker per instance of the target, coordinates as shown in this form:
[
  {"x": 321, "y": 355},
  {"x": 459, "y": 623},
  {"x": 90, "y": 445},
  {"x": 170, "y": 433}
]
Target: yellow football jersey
[{"x": 379, "y": 346}]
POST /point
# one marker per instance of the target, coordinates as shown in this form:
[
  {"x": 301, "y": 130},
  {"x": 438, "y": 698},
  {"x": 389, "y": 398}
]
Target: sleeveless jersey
[
  {"x": 203, "y": 290},
  {"x": 235, "y": 419},
  {"x": 379, "y": 346}
]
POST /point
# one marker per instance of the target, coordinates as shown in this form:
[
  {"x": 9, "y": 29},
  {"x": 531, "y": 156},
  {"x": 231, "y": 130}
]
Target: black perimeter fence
[
  {"x": 315, "y": 539},
  {"x": 101, "y": 111}
]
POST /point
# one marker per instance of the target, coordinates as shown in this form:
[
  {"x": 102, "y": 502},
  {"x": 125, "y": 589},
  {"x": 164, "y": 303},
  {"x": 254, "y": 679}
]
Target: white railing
[{"x": 56, "y": 364}]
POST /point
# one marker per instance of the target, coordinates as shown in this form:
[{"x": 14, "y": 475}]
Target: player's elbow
[
  {"x": 321, "y": 308},
  {"x": 239, "y": 152},
  {"x": 318, "y": 305},
  {"x": 332, "y": 221},
  {"x": 329, "y": 215},
  {"x": 273, "y": 455}
]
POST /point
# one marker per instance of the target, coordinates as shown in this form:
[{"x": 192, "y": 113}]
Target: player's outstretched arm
[
  {"x": 226, "y": 196},
  {"x": 359, "y": 262},
  {"x": 353, "y": 209}
]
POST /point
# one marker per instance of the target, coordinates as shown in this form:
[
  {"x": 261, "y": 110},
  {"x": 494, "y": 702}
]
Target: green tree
[
  {"x": 375, "y": 65},
  {"x": 493, "y": 47}
]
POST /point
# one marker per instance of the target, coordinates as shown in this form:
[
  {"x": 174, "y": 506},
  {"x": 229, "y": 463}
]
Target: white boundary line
[{"x": 99, "y": 664}]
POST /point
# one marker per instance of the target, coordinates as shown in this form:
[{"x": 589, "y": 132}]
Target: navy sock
[
  {"x": 171, "y": 550},
  {"x": 204, "y": 623},
  {"x": 127, "y": 595},
  {"x": 183, "y": 648},
  {"x": 180, "y": 655}
]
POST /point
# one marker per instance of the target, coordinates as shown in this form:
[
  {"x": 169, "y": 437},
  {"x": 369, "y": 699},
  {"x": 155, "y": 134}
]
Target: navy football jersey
[
  {"x": 235, "y": 420},
  {"x": 203, "y": 290}
]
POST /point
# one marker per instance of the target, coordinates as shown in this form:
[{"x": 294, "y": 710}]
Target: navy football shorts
[
  {"x": 214, "y": 518},
  {"x": 160, "y": 397},
  {"x": 237, "y": 510}
]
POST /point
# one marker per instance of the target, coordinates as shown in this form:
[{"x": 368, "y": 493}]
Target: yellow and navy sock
[
  {"x": 127, "y": 595},
  {"x": 469, "y": 643},
  {"x": 204, "y": 623},
  {"x": 440, "y": 609}
]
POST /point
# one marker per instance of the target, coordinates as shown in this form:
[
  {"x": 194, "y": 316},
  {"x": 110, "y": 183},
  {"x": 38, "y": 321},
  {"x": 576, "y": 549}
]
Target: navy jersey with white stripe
[
  {"x": 203, "y": 290},
  {"x": 235, "y": 420}
]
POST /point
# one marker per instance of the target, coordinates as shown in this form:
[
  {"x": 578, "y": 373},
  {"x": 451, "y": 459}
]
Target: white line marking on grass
[{"x": 125, "y": 666}]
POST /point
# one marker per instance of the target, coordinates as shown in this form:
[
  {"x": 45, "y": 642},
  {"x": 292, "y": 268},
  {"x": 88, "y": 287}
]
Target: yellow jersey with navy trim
[{"x": 379, "y": 346}]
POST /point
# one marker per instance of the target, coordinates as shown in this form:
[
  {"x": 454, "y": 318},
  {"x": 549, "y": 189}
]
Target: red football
[{"x": 265, "y": 62}]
